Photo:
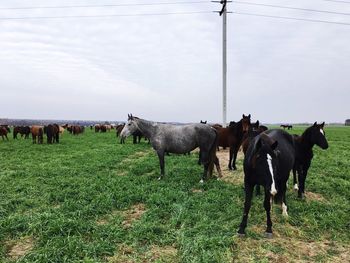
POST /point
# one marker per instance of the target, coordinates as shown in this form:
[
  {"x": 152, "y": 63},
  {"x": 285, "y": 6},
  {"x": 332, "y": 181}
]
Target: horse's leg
[
  {"x": 284, "y": 204},
  {"x": 267, "y": 206},
  {"x": 247, "y": 203},
  {"x": 235, "y": 151},
  {"x": 302, "y": 179},
  {"x": 161, "y": 163},
  {"x": 199, "y": 158},
  {"x": 230, "y": 158},
  {"x": 295, "y": 183},
  {"x": 217, "y": 165}
]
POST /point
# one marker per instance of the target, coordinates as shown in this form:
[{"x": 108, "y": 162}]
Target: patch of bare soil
[
  {"x": 310, "y": 196},
  {"x": 288, "y": 248},
  {"x": 133, "y": 214},
  {"x": 197, "y": 190},
  {"x": 127, "y": 254},
  {"x": 234, "y": 177},
  {"x": 19, "y": 248}
]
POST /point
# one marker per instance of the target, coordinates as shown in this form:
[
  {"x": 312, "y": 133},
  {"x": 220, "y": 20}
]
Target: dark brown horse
[
  {"x": 3, "y": 133},
  {"x": 52, "y": 132},
  {"x": 22, "y": 130},
  {"x": 286, "y": 126},
  {"x": 232, "y": 137},
  {"x": 37, "y": 132},
  {"x": 76, "y": 129}
]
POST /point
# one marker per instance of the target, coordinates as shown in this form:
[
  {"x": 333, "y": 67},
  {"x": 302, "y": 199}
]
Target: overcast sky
[{"x": 169, "y": 68}]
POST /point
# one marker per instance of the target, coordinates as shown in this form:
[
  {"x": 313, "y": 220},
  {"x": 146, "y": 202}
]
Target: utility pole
[{"x": 223, "y": 12}]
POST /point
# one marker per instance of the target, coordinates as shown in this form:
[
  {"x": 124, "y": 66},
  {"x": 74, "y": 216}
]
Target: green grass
[{"x": 55, "y": 194}]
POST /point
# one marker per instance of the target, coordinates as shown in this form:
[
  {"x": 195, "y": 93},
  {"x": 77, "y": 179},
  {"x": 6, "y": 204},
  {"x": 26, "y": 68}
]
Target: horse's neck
[
  {"x": 148, "y": 128},
  {"x": 305, "y": 142}
]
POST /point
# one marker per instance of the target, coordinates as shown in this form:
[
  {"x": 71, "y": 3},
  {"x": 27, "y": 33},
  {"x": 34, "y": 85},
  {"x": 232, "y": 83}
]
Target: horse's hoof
[
  {"x": 159, "y": 178},
  {"x": 296, "y": 188},
  {"x": 268, "y": 235},
  {"x": 201, "y": 181},
  {"x": 241, "y": 235}
]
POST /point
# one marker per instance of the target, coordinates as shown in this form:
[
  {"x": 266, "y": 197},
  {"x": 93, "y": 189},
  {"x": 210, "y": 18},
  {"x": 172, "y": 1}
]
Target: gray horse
[{"x": 167, "y": 138}]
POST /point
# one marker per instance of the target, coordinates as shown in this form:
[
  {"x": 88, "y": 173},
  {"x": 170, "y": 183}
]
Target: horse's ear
[
  {"x": 249, "y": 116},
  {"x": 257, "y": 123},
  {"x": 243, "y": 116},
  {"x": 274, "y": 145},
  {"x": 322, "y": 124},
  {"x": 315, "y": 124}
]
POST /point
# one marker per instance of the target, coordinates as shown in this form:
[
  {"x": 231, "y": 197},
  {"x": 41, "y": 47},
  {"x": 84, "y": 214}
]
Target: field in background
[{"x": 90, "y": 199}]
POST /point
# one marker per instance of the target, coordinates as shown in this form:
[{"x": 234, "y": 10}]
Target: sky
[{"x": 169, "y": 67}]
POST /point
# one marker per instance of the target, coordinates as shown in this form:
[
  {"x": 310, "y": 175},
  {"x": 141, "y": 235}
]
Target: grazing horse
[
  {"x": 52, "y": 132},
  {"x": 288, "y": 126},
  {"x": 23, "y": 130},
  {"x": 3, "y": 133},
  {"x": 268, "y": 162},
  {"x": 303, "y": 150},
  {"x": 167, "y": 138},
  {"x": 76, "y": 129},
  {"x": 37, "y": 132},
  {"x": 232, "y": 137}
]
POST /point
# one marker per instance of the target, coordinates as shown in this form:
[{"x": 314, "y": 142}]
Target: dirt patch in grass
[
  {"x": 132, "y": 157},
  {"x": 310, "y": 196},
  {"x": 129, "y": 216},
  {"x": 283, "y": 248},
  {"x": 19, "y": 248},
  {"x": 133, "y": 214},
  {"x": 154, "y": 253},
  {"x": 234, "y": 177},
  {"x": 197, "y": 190}
]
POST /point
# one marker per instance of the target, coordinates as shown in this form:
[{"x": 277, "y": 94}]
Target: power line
[
  {"x": 106, "y": 5},
  {"x": 102, "y": 16},
  {"x": 292, "y": 18},
  {"x": 293, "y": 8},
  {"x": 338, "y": 1}
]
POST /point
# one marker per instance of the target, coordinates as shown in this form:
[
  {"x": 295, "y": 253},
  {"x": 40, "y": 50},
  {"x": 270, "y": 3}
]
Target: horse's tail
[{"x": 212, "y": 154}]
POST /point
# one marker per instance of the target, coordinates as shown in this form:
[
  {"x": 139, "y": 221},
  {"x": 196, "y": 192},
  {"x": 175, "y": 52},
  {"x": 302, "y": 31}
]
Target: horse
[
  {"x": 52, "y": 132},
  {"x": 37, "y": 132},
  {"x": 232, "y": 137},
  {"x": 97, "y": 127},
  {"x": 3, "y": 132},
  {"x": 61, "y": 129},
  {"x": 178, "y": 139},
  {"x": 288, "y": 126},
  {"x": 268, "y": 162},
  {"x": 203, "y": 122},
  {"x": 313, "y": 135},
  {"x": 76, "y": 129},
  {"x": 23, "y": 130}
]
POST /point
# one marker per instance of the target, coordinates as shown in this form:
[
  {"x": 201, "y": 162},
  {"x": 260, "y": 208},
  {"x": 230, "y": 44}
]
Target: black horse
[
  {"x": 52, "y": 132},
  {"x": 268, "y": 162},
  {"x": 303, "y": 149},
  {"x": 23, "y": 130},
  {"x": 167, "y": 138}
]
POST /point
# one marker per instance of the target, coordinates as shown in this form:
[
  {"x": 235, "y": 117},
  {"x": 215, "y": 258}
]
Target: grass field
[{"x": 90, "y": 199}]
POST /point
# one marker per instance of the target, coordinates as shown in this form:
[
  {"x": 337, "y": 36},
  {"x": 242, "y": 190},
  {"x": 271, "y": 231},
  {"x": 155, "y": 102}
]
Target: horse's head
[
  {"x": 245, "y": 122},
  {"x": 255, "y": 126},
  {"x": 264, "y": 161},
  {"x": 130, "y": 127},
  {"x": 318, "y": 136}
]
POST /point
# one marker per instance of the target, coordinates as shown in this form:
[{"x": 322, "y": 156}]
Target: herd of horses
[{"x": 269, "y": 155}]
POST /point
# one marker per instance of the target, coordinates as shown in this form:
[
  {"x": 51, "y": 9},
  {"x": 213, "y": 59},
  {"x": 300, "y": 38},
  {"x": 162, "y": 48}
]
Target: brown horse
[
  {"x": 232, "y": 137},
  {"x": 76, "y": 129},
  {"x": 3, "y": 133},
  {"x": 37, "y": 132}
]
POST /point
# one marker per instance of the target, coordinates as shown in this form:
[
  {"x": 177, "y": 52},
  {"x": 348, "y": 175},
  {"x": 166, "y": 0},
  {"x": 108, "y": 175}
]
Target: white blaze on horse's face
[
  {"x": 322, "y": 132},
  {"x": 128, "y": 129},
  {"x": 273, "y": 190}
]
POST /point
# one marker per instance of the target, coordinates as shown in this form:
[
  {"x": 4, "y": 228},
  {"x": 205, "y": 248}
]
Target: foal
[{"x": 304, "y": 154}]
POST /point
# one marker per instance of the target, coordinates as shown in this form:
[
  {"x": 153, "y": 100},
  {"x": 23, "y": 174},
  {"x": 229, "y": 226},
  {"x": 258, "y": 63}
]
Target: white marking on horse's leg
[
  {"x": 321, "y": 131},
  {"x": 273, "y": 190},
  {"x": 284, "y": 210},
  {"x": 159, "y": 178},
  {"x": 201, "y": 181},
  {"x": 296, "y": 187}
]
